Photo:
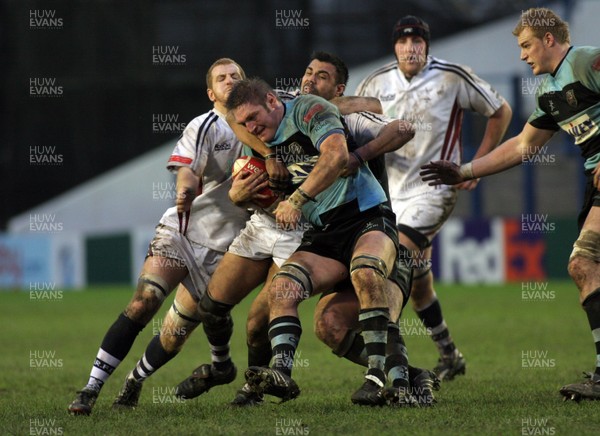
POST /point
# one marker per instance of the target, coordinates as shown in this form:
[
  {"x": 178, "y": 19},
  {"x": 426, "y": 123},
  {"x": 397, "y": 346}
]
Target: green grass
[{"x": 492, "y": 325}]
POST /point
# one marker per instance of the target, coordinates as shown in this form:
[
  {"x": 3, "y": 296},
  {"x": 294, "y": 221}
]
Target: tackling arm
[
  {"x": 187, "y": 188},
  {"x": 393, "y": 136},
  {"x": 509, "y": 154},
  {"x": 351, "y": 104}
]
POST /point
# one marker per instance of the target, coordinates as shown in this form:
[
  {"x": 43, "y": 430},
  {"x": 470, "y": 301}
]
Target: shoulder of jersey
[
  {"x": 452, "y": 67},
  {"x": 381, "y": 70}
]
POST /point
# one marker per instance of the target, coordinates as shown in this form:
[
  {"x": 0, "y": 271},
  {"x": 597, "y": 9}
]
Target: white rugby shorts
[
  {"x": 200, "y": 261},
  {"x": 426, "y": 212},
  {"x": 263, "y": 239}
]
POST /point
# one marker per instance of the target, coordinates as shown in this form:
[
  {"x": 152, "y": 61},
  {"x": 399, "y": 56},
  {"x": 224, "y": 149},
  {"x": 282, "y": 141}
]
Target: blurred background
[{"x": 96, "y": 92}]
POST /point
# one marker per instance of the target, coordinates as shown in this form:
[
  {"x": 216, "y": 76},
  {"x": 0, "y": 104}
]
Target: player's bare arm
[
  {"x": 186, "y": 188},
  {"x": 393, "y": 136},
  {"x": 333, "y": 159},
  {"x": 509, "y": 154},
  {"x": 495, "y": 130},
  {"x": 352, "y": 104}
]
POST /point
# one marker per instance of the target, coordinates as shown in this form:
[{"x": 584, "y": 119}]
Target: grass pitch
[{"x": 520, "y": 345}]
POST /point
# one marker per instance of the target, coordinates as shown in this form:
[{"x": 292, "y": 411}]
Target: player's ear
[
  {"x": 271, "y": 101},
  {"x": 549, "y": 39},
  {"x": 340, "y": 88},
  {"x": 211, "y": 95}
]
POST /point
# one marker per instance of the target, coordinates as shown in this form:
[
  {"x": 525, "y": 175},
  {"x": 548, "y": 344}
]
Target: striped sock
[
  {"x": 154, "y": 357},
  {"x": 396, "y": 361},
  {"x": 284, "y": 333},
  {"x": 591, "y": 305},
  {"x": 432, "y": 319},
  {"x": 373, "y": 323},
  {"x": 116, "y": 344}
]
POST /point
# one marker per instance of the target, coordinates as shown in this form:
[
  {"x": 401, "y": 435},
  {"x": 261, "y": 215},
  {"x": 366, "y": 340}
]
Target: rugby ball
[{"x": 251, "y": 164}]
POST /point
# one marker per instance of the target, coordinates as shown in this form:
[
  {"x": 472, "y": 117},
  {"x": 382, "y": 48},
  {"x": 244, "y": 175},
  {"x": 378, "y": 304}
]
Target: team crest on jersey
[
  {"x": 312, "y": 112},
  {"x": 223, "y": 146},
  {"x": 571, "y": 99},
  {"x": 388, "y": 97},
  {"x": 552, "y": 107}
]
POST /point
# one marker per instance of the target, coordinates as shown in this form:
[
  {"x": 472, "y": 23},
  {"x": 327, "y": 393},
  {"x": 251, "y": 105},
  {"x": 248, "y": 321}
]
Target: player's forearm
[
  {"x": 512, "y": 152},
  {"x": 187, "y": 181},
  {"x": 352, "y": 104},
  {"x": 393, "y": 136},
  {"x": 333, "y": 159},
  {"x": 495, "y": 130}
]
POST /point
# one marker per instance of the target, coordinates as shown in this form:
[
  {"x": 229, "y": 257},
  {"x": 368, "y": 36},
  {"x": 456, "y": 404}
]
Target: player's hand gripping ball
[{"x": 251, "y": 164}]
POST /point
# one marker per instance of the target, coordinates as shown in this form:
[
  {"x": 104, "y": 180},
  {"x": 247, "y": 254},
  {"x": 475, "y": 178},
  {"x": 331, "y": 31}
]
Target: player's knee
[
  {"x": 291, "y": 285},
  {"x": 177, "y": 326},
  {"x": 150, "y": 293},
  {"x": 585, "y": 255},
  {"x": 329, "y": 329},
  {"x": 368, "y": 275},
  {"x": 214, "y": 315},
  {"x": 577, "y": 268}
]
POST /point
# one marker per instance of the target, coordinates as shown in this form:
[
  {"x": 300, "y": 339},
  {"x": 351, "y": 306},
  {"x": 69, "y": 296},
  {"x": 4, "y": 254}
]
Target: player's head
[
  {"x": 220, "y": 77},
  {"x": 255, "y": 105},
  {"x": 326, "y": 76},
  {"x": 543, "y": 37},
  {"x": 411, "y": 44}
]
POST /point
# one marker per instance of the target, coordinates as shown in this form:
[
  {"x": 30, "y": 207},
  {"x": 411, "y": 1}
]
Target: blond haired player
[
  {"x": 189, "y": 242},
  {"x": 569, "y": 99}
]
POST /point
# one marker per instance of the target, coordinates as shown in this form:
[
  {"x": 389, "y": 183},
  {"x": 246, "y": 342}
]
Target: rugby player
[
  {"x": 432, "y": 94},
  {"x": 188, "y": 243},
  {"x": 569, "y": 99},
  {"x": 263, "y": 240}
]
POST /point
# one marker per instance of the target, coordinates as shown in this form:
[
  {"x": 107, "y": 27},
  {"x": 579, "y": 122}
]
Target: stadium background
[{"x": 96, "y": 93}]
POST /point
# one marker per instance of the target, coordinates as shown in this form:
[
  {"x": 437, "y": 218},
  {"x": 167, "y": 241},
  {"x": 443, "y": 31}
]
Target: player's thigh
[
  {"x": 235, "y": 277},
  {"x": 376, "y": 244},
  {"x": 323, "y": 272}
]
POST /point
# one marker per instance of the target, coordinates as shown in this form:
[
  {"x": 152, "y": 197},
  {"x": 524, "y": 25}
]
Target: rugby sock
[
  {"x": 218, "y": 326},
  {"x": 259, "y": 355},
  {"x": 116, "y": 344},
  {"x": 432, "y": 319},
  {"x": 373, "y": 323},
  {"x": 396, "y": 361},
  {"x": 284, "y": 334},
  {"x": 154, "y": 357},
  {"x": 357, "y": 353},
  {"x": 591, "y": 305}
]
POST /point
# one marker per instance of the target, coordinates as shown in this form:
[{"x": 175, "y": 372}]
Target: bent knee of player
[
  {"x": 286, "y": 293},
  {"x": 142, "y": 307},
  {"x": 330, "y": 328},
  {"x": 580, "y": 269},
  {"x": 368, "y": 283}
]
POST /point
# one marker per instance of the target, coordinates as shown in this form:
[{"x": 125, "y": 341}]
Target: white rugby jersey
[
  {"x": 433, "y": 101},
  {"x": 209, "y": 147}
]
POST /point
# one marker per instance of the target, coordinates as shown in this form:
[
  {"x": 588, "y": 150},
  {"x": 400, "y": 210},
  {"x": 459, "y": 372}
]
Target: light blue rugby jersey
[
  {"x": 307, "y": 122},
  {"x": 569, "y": 99}
]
